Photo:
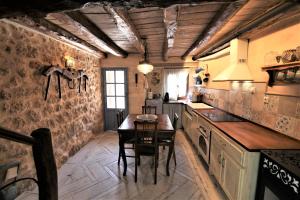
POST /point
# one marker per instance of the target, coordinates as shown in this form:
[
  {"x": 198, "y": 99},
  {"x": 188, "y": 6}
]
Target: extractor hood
[{"x": 238, "y": 69}]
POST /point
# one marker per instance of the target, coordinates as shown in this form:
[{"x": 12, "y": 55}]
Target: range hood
[{"x": 238, "y": 69}]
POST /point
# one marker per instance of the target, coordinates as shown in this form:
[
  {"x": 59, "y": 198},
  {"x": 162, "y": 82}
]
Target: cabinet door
[
  {"x": 184, "y": 121},
  {"x": 232, "y": 177},
  {"x": 177, "y": 109},
  {"x": 215, "y": 166}
]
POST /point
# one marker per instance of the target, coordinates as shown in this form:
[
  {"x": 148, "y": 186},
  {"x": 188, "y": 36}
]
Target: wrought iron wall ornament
[{"x": 71, "y": 75}]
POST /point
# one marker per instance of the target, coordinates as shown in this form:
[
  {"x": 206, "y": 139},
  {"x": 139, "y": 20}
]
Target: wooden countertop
[{"x": 254, "y": 137}]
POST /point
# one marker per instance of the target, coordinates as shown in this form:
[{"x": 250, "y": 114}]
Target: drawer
[{"x": 229, "y": 146}]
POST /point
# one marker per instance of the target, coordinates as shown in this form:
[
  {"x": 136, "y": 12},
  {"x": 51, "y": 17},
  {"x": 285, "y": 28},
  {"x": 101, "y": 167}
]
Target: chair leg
[
  {"x": 174, "y": 157},
  {"x": 135, "y": 168},
  {"x": 119, "y": 157},
  {"x": 155, "y": 169}
]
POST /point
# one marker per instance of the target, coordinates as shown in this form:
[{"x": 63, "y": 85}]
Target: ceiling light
[{"x": 145, "y": 67}]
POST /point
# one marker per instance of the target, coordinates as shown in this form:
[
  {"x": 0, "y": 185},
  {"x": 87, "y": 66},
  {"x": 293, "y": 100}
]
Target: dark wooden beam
[
  {"x": 126, "y": 26},
  {"x": 11, "y": 8},
  {"x": 170, "y": 19},
  {"x": 89, "y": 29},
  {"x": 217, "y": 22},
  {"x": 284, "y": 6},
  {"x": 44, "y": 26}
]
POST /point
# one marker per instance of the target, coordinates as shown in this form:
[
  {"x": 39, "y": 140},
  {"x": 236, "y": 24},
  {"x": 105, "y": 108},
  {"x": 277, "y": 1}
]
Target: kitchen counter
[{"x": 254, "y": 137}]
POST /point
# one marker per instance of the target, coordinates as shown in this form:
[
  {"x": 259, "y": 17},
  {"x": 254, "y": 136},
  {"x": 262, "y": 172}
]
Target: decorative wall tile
[
  {"x": 247, "y": 113},
  {"x": 280, "y": 113},
  {"x": 287, "y": 106},
  {"x": 284, "y": 124},
  {"x": 246, "y": 99},
  {"x": 268, "y": 120},
  {"x": 256, "y": 116},
  {"x": 296, "y": 131},
  {"x": 272, "y": 105},
  {"x": 257, "y": 102}
]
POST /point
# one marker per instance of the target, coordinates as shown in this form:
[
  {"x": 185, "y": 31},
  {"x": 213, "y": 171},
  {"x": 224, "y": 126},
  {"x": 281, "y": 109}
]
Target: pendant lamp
[{"x": 144, "y": 66}]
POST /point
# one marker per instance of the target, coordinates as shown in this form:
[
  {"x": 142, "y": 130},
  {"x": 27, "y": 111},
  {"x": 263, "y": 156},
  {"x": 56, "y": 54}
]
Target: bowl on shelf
[{"x": 289, "y": 56}]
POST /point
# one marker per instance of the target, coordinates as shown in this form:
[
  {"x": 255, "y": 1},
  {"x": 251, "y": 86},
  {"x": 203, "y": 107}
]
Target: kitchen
[{"x": 233, "y": 80}]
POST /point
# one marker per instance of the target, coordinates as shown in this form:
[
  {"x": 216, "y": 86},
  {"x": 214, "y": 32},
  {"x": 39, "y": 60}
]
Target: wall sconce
[{"x": 69, "y": 62}]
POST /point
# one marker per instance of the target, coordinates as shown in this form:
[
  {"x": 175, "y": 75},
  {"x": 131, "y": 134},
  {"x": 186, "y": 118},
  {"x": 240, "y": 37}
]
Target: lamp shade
[{"x": 144, "y": 67}]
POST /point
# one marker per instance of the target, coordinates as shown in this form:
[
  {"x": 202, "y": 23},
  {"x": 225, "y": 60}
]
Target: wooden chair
[
  {"x": 120, "y": 119},
  {"x": 170, "y": 141},
  {"x": 149, "y": 109},
  {"x": 146, "y": 143}
]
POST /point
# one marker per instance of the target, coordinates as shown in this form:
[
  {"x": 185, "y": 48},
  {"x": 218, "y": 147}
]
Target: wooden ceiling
[{"x": 172, "y": 28}]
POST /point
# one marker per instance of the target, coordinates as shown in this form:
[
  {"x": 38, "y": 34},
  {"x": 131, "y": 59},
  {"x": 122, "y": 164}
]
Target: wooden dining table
[{"x": 126, "y": 131}]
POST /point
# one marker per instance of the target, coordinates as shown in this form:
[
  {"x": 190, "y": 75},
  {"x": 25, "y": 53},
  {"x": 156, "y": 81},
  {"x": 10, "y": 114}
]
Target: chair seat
[{"x": 146, "y": 150}]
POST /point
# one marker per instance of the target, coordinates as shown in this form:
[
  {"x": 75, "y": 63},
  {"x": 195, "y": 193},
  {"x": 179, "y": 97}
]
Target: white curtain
[{"x": 175, "y": 82}]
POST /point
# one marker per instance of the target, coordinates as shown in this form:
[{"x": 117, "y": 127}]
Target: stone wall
[{"x": 72, "y": 119}]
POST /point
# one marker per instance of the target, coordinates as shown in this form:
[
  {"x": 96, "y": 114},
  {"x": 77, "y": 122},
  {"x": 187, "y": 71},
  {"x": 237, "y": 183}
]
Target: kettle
[{"x": 166, "y": 98}]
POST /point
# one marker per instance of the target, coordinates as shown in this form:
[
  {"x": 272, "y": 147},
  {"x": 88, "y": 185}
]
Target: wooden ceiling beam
[
  {"x": 170, "y": 20},
  {"x": 46, "y": 27},
  {"x": 217, "y": 22},
  {"x": 91, "y": 31},
  {"x": 16, "y": 7},
  {"x": 126, "y": 27}
]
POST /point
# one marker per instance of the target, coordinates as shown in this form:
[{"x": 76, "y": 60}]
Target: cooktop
[{"x": 216, "y": 115}]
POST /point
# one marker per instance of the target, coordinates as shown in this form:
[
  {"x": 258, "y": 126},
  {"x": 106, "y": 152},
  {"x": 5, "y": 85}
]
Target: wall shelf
[
  {"x": 287, "y": 73},
  {"x": 282, "y": 66},
  {"x": 284, "y": 79}
]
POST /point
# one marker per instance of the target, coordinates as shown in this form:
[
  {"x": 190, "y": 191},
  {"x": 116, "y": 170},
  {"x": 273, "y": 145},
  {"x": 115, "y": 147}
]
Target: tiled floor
[{"x": 93, "y": 173}]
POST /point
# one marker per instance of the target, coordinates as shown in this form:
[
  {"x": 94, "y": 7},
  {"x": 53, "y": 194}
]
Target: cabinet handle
[{"x": 219, "y": 159}]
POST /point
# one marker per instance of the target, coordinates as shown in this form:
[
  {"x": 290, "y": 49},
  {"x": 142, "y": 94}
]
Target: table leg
[
  {"x": 122, "y": 149},
  {"x": 171, "y": 149}
]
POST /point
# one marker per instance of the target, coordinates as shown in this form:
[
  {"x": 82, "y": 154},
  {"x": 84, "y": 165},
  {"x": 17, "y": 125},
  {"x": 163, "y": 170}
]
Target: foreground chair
[
  {"x": 146, "y": 143},
  {"x": 120, "y": 119},
  {"x": 170, "y": 141}
]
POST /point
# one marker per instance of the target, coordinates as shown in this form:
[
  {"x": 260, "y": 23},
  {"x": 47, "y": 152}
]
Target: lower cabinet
[
  {"x": 234, "y": 167},
  {"x": 171, "y": 109},
  {"x": 187, "y": 122}
]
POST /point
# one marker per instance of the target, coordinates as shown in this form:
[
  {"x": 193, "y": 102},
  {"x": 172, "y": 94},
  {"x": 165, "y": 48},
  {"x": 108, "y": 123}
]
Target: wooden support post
[{"x": 45, "y": 164}]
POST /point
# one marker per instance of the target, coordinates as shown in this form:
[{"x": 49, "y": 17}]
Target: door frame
[{"x": 103, "y": 92}]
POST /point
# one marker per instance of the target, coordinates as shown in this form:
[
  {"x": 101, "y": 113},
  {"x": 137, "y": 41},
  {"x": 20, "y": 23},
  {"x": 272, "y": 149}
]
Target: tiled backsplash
[{"x": 280, "y": 113}]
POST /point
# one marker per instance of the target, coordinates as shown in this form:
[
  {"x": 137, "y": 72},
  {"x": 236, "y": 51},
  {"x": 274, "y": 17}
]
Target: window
[
  {"x": 176, "y": 82},
  {"x": 115, "y": 89}
]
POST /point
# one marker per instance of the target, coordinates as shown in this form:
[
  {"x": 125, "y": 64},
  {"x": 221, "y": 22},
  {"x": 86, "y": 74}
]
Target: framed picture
[{"x": 155, "y": 78}]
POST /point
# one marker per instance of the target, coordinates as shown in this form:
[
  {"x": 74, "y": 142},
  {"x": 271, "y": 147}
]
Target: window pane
[
  {"x": 110, "y": 77},
  {"x": 121, "y": 102},
  {"x": 119, "y": 76},
  {"x": 110, "y": 89},
  {"x": 120, "y": 90},
  {"x": 111, "y": 102}
]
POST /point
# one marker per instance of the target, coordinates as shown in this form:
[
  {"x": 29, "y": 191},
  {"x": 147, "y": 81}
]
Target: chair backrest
[
  {"x": 149, "y": 109},
  {"x": 120, "y": 117},
  {"x": 145, "y": 132},
  {"x": 175, "y": 119}
]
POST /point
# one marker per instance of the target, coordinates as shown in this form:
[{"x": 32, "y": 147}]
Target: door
[{"x": 115, "y": 95}]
